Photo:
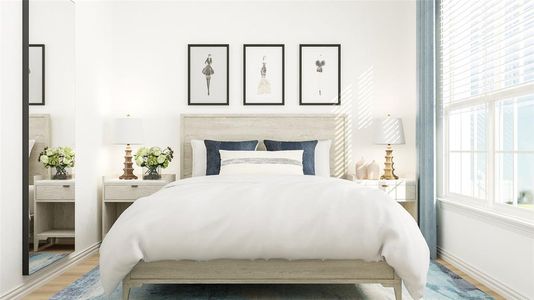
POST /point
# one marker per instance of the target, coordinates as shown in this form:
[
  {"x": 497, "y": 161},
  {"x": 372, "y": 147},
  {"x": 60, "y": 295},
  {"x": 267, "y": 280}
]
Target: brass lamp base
[
  {"x": 389, "y": 171},
  {"x": 128, "y": 165}
]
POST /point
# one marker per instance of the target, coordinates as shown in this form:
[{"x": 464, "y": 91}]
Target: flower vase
[
  {"x": 61, "y": 174},
  {"x": 152, "y": 173}
]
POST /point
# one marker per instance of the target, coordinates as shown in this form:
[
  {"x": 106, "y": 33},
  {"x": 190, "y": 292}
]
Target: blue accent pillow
[
  {"x": 213, "y": 159},
  {"x": 308, "y": 158}
]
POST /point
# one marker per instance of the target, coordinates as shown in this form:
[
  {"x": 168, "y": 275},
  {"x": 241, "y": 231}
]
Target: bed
[{"x": 237, "y": 267}]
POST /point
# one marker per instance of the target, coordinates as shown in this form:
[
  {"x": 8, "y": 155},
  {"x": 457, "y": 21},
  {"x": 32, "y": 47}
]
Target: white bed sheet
[{"x": 264, "y": 217}]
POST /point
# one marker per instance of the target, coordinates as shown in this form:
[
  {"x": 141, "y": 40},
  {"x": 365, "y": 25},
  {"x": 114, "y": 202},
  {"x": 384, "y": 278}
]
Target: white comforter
[{"x": 253, "y": 217}]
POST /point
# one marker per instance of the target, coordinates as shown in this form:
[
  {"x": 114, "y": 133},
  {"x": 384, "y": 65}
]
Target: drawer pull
[
  {"x": 134, "y": 185},
  {"x": 66, "y": 186}
]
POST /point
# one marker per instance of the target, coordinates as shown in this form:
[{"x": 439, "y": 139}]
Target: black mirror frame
[{"x": 25, "y": 134}]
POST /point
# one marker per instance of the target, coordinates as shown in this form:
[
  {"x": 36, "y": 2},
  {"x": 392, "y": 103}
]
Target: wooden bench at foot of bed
[{"x": 276, "y": 271}]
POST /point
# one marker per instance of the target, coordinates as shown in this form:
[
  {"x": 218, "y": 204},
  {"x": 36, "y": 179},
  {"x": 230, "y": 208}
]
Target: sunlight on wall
[
  {"x": 362, "y": 118},
  {"x": 366, "y": 94},
  {"x": 343, "y": 132}
]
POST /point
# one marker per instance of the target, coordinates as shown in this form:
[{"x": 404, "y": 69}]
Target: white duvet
[{"x": 253, "y": 217}]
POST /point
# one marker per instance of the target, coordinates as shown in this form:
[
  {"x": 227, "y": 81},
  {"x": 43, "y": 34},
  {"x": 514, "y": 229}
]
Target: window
[
  {"x": 467, "y": 152},
  {"x": 486, "y": 93},
  {"x": 514, "y": 151}
]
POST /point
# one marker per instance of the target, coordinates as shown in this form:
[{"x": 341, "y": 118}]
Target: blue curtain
[{"x": 426, "y": 120}]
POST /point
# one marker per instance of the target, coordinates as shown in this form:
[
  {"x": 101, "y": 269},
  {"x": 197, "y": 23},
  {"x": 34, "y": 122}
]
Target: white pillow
[
  {"x": 31, "y": 143},
  {"x": 261, "y": 162},
  {"x": 322, "y": 158},
  {"x": 199, "y": 158}
]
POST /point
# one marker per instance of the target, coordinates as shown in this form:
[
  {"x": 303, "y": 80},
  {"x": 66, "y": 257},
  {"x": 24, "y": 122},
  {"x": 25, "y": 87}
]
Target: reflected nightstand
[{"x": 53, "y": 210}]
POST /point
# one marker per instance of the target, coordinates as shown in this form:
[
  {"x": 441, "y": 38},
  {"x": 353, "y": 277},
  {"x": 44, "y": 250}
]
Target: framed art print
[
  {"x": 263, "y": 74},
  {"x": 36, "y": 74},
  {"x": 320, "y": 74},
  {"x": 208, "y": 74}
]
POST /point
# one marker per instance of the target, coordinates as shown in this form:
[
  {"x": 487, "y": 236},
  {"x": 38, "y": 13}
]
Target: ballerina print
[
  {"x": 319, "y": 63},
  {"x": 264, "y": 86},
  {"x": 208, "y": 71}
]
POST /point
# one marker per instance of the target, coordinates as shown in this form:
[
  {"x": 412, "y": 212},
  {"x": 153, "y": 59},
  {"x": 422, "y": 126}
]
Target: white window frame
[{"x": 490, "y": 203}]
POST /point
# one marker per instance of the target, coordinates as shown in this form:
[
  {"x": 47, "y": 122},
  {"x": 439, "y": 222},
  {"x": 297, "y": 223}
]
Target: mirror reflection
[{"x": 51, "y": 132}]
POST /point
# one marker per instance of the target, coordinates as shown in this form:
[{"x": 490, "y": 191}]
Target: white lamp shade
[
  {"x": 389, "y": 131},
  {"x": 128, "y": 131}
]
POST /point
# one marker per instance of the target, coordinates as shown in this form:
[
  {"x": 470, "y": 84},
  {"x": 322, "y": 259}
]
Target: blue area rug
[
  {"x": 442, "y": 284},
  {"x": 39, "y": 260}
]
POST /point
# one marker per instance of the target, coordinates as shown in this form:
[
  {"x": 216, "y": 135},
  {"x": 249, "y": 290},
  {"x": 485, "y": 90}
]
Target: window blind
[{"x": 486, "y": 48}]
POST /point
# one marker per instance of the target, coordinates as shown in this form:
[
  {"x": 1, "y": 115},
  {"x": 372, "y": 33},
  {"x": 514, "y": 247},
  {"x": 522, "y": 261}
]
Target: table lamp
[
  {"x": 128, "y": 131},
  {"x": 389, "y": 131}
]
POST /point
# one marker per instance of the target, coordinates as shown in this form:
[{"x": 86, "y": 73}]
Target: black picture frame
[
  {"x": 191, "y": 101},
  {"x": 43, "y": 68},
  {"x": 301, "y": 100},
  {"x": 245, "y": 46}
]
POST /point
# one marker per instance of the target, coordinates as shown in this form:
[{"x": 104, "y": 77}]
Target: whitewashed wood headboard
[
  {"x": 39, "y": 130},
  {"x": 285, "y": 127}
]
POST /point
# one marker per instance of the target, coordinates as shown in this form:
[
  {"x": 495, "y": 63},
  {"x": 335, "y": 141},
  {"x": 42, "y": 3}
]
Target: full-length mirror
[{"x": 51, "y": 159}]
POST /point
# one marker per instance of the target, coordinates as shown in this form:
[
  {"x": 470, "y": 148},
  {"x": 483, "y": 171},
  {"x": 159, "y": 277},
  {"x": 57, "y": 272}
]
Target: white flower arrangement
[
  {"x": 153, "y": 158},
  {"x": 59, "y": 158}
]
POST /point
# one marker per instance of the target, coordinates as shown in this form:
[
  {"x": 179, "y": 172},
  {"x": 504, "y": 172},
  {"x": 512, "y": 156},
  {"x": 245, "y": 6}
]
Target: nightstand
[
  {"x": 400, "y": 190},
  {"x": 118, "y": 195},
  {"x": 53, "y": 210}
]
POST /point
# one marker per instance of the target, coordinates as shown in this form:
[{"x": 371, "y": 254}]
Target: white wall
[
  {"x": 11, "y": 145},
  {"x": 500, "y": 254},
  {"x": 93, "y": 92},
  {"x": 132, "y": 55},
  {"x": 149, "y": 65},
  {"x": 52, "y": 24},
  {"x": 131, "y": 58}
]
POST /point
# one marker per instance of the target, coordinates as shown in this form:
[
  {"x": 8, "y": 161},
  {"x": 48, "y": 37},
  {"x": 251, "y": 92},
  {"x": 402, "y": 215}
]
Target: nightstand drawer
[
  {"x": 129, "y": 192},
  {"x": 54, "y": 192}
]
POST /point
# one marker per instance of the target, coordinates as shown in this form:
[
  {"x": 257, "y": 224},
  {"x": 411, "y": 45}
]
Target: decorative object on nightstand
[
  {"x": 128, "y": 131},
  {"x": 59, "y": 158},
  {"x": 367, "y": 170},
  {"x": 153, "y": 159},
  {"x": 389, "y": 131},
  {"x": 361, "y": 170},
  {"x": 118, "y": 195},
  {"x": 373, "y": 170}
]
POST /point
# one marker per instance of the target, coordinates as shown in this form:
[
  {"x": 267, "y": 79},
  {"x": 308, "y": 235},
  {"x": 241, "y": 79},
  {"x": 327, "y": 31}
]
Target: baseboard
[
  {"x": 42, "y": 277},
  {"x": 480, "y": 276}
]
